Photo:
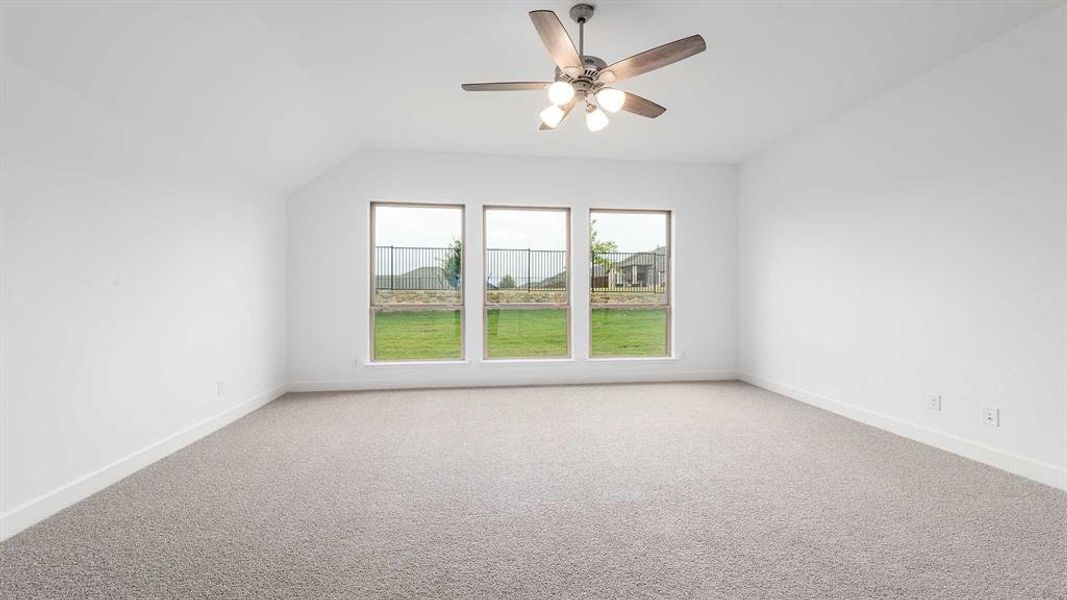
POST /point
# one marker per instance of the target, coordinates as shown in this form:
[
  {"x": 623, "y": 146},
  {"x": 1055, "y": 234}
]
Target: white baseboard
[
  {"x": 1002, "y": 459},
  {"x": 37, "y": 509},
  {"x": 482, "y": 379}
]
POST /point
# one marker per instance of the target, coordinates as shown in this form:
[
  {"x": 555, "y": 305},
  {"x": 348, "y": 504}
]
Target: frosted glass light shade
[
  {"x": 560, "y": 93},
  {"x": 610, "y": 99},
  {"x": 596, "y": 120},
  {"x": 551, "y": 116}
]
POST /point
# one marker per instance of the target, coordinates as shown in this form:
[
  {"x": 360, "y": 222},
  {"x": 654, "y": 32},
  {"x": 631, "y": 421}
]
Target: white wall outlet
[
  {"x": 991, "y": 416},
  {"x": 220, "y": 387},
  {"x": 933, "y": 402}
]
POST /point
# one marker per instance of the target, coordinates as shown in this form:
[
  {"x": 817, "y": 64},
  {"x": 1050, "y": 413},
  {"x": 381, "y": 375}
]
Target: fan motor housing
[{"x": 587, "y": 80}]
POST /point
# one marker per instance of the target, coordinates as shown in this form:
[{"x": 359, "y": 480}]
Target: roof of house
[
  {"x": 642, "y": 258},
  {"x": 559, "y": 280}
]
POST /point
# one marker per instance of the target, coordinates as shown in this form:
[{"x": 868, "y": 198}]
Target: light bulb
[
  {"x": 552, "y": 115},
  {"x": 596, "y": 120},
  {"x": 560, "y": 93},
  {"x": 610, "y": 99}
]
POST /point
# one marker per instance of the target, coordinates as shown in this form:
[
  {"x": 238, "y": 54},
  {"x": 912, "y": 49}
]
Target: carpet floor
[{"x": 709, "y": 490}]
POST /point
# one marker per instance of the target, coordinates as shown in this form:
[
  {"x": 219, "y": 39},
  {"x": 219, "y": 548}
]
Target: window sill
[
  {"x": 527, "y": 361},
  {"x": 519, "y": 361},
  {"x": 613, "y": 359},
  {"x": 412, "y": 363}
]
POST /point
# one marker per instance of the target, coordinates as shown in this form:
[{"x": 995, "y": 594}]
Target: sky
[
  {"x": 417, "y": 226},
  {"x": 535, "y": 229},
  {"x": 633, "y": 232}
]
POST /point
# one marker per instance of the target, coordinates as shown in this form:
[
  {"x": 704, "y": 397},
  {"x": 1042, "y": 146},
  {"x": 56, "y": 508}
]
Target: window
[
  {"x": 629, "y": 292},
  {"x": 527, "y": 276},
  {"x": 416, "y": 282}
]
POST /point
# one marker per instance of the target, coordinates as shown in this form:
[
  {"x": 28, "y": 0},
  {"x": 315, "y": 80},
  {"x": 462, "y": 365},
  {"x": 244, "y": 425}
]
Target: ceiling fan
[{"x": 581, "y": 78}]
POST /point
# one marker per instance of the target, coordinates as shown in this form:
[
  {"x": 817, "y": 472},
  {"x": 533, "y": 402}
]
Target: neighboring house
[
  {"x": 422, "y": 278},
  {"x": 638, "y": 269}
]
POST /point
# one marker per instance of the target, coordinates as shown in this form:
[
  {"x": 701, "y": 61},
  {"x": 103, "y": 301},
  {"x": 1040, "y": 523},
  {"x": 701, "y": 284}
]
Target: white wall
[
  {"x": 329, "y": 258},
  {"x": 918, "y": 244},
  {"x": 134, "y": 278}
]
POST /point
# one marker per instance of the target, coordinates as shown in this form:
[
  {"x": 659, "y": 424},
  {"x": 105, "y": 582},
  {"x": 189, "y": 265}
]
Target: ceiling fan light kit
[
  {"x": 582, "y": 78},
  {"x": 595, "y": 119},
  {"x": 560, "y": 93},
  {"x": 552, "y": 115},
  {"x": 610, "y": 99}
]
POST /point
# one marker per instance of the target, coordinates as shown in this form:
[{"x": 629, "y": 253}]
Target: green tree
[
  {"x": 452, "y": 264},
  {"x": 507, "y": 282},
  {"x": 600, "y": 248}
]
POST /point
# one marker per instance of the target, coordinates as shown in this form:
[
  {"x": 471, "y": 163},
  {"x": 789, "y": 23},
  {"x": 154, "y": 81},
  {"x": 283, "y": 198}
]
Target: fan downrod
[{"x": 582, "y": 13}]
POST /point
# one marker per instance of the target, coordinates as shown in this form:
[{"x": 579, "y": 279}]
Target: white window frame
[
  {"x": 668, "y": 304},
  {"x": 460, "y": 307},
  {"x": 487, "y": 306}
]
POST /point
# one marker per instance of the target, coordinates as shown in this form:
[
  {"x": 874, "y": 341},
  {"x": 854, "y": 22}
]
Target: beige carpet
[{"x": 710, "y": 490}]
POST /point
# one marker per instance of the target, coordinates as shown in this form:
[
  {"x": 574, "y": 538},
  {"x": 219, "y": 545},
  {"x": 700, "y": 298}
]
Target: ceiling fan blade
[
  {"x": 506, "y": 86},
  {"x": 640, "y": 106},
  {"x": 649, "y": 60},
  {"x": 567, "y": 108},
  {"x": 557, "y": 42}
]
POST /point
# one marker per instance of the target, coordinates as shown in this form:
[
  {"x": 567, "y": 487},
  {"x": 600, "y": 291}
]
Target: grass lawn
[
  {"x": 525, "y": 333},
  {"x": 629, "y": 332},
  {"x": 518, "y": 333},
  {"x": 417, "y": 335}
]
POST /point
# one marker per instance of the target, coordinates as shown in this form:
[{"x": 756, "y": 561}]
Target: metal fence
[
  {"x": 507, "y": 268},
  {"x": 628, "y": 272},
  {"x": 415, "y": 268},
  {"x": 421, "y": 268}
]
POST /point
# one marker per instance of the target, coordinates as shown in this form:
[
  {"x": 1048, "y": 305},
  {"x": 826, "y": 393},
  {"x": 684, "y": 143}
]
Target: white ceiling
[{"x": 284, "y": 90}]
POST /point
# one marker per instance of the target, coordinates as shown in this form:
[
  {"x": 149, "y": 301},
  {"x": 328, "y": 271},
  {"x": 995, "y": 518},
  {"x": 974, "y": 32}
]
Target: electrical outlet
[
  {"x": 220, "y": 387},
  {"x": 991, "y": 416},
  {"x": 933, "y": 402}
]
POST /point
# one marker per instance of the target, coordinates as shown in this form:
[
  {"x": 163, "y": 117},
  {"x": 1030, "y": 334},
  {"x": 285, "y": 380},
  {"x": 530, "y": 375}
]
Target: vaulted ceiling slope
[{"x": 284, "y": 90}]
